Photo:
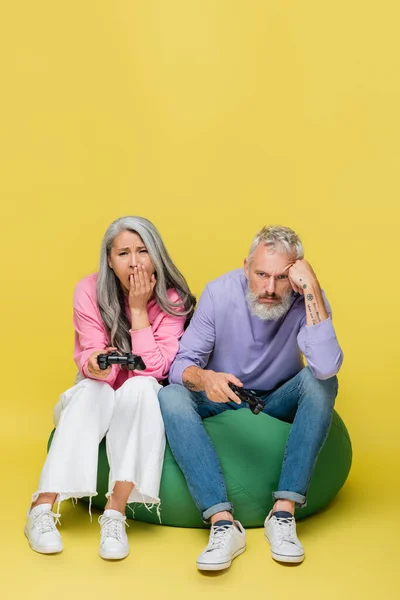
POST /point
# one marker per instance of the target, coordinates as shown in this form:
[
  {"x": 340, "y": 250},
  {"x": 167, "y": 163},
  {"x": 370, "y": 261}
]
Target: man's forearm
[
  {"x": 193, "y": 379},
  {"x": 314, "y": 304}
]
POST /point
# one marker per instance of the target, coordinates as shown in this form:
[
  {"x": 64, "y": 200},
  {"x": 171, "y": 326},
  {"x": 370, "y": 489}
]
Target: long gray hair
[{"x": 110, "y": 297}]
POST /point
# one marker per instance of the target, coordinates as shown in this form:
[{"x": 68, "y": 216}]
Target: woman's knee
[
  {"x": 137, "y": 390},
  {"x": 88, "y": 403},
  {"x": 88, "y": 393}
]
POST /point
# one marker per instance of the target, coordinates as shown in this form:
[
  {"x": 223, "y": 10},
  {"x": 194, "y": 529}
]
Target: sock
[
  {"x": 222, "y": 523},
  {"x": 282, "y": 514}
]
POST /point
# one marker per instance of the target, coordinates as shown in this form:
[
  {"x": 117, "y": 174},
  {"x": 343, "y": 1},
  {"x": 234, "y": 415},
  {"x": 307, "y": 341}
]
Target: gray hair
[
  {"x": 110, "y": 297},
  {"x": 278, "y": 237}
]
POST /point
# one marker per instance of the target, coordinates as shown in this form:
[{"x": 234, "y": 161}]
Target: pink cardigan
[{"x": 157, "y": 344}]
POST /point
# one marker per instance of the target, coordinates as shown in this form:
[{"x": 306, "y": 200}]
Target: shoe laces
[
  {"x": 111, "y": 527},
  {"x": 220, "y": 535},
  {"x": 286, "y": 529},
  {"x": 46, "y": 521}
]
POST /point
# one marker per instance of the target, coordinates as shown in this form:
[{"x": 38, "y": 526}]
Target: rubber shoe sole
[
  {"x": 110, "y": 556},
  {"x": 219, "y": 566},
  {"x": 285, "y": 558},
  {"x": 42, "y": 549}
]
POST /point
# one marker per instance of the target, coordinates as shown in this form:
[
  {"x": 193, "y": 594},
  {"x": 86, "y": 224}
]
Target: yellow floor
[{"x": 352, "y": 548}]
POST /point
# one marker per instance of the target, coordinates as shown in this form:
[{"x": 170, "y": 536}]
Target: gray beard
[{"x": 268, "y": 313}]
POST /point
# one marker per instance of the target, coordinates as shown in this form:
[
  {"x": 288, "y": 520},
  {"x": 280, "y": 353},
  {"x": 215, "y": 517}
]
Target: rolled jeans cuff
[
  {"x": 298, "y": 499},
  {"x": 207, "y": 514}
]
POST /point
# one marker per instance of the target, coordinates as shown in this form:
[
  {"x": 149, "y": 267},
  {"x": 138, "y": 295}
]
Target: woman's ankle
[
  {"x": 44, "y": 499},
  {"x": 115, "y": 505}
]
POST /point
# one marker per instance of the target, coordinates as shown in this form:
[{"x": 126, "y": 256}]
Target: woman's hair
[{"x": 110, "y": 297}]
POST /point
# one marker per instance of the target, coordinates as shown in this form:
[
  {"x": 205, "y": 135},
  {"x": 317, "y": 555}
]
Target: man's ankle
[
  {"x": 284, "y": 505},
  {"x": 221, "y": 516}
]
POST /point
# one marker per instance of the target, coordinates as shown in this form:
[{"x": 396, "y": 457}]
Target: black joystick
[
  {"x": 255, "y": 403},
  {"x": 130, "y": 361}
]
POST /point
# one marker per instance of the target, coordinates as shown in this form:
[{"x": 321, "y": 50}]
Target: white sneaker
[
  {"x": 113, "y": 539},
  {"x": 41, "y": 531},
  {"x": 280, "y": 531},
  {"x": 225, "y": 543}
]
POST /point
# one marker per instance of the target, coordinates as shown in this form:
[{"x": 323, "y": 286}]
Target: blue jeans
[{"x": 304, "y": 401}]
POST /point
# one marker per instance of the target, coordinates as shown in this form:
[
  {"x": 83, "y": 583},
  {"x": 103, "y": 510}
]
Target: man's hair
[
  {"x": 280, "y": 238},
  {"x": 110, "y": 297}
]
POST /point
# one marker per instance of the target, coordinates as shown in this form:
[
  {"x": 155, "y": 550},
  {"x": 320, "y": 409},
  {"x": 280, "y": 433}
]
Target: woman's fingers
[
  {"x": 136, "y": 279},
  {"x": 142, "y": 278}
]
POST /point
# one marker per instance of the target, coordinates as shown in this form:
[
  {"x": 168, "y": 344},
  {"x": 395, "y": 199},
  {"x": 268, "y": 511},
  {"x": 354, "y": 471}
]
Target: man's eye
[
  {"x": 141, "y": 251},
  {"x": 261, "y": 274},
  {"x": 122, "y": 253},
  {"x": 280, "y": 277}
]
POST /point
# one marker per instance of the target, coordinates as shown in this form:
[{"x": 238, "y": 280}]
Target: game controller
[
  {"x": 256, "y": 404},
  {"x": 130, "y": 361}
]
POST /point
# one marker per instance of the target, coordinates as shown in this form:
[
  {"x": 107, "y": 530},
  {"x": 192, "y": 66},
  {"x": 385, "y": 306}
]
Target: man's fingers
[
  {"x": 232, "y": 379},
  {"x": 223, "y": 396},
  {"x": 289, "y": 266},
  {"x": 232, "y": 396},
  {"x": 230, "y": 393}
]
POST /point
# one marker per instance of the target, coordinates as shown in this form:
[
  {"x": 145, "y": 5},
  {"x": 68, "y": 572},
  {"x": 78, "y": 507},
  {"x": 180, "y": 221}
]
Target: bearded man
[{"x": 252, "y": 328}]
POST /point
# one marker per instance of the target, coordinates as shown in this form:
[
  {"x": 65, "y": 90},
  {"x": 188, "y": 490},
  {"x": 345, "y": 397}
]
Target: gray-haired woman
[{"x": 138, "y": 302}]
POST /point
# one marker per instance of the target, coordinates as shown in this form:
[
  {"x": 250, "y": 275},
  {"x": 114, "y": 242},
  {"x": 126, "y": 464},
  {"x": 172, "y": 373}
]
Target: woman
[{"x": 138, "y": 302}]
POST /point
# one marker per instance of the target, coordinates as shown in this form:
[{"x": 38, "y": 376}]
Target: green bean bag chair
[{"x": 250, "y": 448}]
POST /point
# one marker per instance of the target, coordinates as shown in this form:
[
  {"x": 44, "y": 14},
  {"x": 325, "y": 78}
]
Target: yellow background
[{"x": 211, "y": 118}]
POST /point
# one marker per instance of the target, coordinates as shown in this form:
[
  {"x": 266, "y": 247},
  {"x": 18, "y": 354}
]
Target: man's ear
[{"x": 246, "y": 268}]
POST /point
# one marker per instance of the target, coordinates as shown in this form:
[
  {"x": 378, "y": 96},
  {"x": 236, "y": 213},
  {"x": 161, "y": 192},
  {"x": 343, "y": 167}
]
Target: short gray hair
[
  {"x": 110, "y": 297},
  {"x": 278, "y": 237}
]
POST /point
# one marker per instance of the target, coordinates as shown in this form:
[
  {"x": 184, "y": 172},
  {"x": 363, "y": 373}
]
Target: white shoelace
[
  {"x": 46, "y": 521},
  {"x": 286, "y": 530},
  {"x": 219, "y": 537},
  {"x": 111, "y": 527}
]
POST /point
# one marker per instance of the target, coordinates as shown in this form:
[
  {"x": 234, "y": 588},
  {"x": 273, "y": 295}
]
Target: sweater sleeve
[
  {"x": 90, "y": 334},
  {"x": 158, "y": 344},
  {"x": 158, "y": 348},
  {"x": 198, "y": 340},
  {"x": 320, "y": 346}
]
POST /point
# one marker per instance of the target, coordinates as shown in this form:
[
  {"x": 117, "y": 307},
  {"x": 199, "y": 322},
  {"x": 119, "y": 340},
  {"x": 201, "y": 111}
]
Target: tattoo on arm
[
  {"x": 316, "y": 310},
  {"x": 310, "y": 297},
  {"x": 311, "y": 314}
]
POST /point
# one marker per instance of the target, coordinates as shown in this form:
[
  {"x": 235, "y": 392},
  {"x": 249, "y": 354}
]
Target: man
[{"x": 251, "y": 328}]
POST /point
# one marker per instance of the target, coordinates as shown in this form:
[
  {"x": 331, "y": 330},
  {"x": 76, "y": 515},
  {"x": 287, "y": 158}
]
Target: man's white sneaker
[
  {"x": 41, "y": 531},
  {"x": 225, "y": 543},
  {"x": 280, "y": 531},
  {"x": 113, "y": 539}
]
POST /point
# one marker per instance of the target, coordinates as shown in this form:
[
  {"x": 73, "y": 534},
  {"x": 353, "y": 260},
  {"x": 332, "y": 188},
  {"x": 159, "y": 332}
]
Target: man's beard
[{"x": 265, "y": 312}]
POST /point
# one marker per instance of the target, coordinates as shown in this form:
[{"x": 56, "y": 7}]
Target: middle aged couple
[{"x": 251, "y": 328}]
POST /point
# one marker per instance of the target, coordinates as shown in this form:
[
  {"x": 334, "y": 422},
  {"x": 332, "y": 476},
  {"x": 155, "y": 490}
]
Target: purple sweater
[{"x": 223, "y": 336}]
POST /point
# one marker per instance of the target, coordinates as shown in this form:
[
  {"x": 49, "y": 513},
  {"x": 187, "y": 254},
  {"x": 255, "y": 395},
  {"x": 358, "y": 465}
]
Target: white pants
[{"x": 135, "y": 441}]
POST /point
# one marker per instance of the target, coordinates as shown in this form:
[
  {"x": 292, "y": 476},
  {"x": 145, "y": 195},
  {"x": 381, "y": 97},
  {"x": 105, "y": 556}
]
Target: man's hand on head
[
  {"x": 302, "y": 276},
  {"x": 304, "y": 281}
]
